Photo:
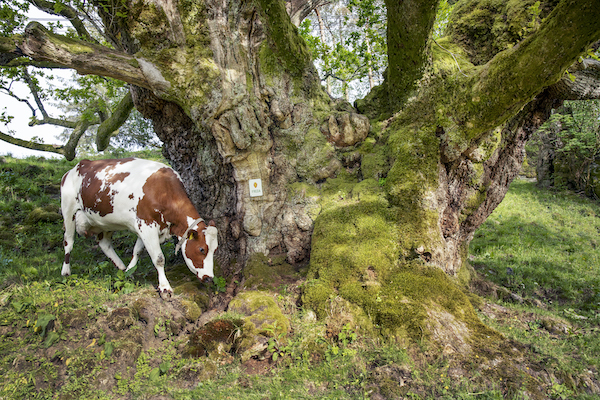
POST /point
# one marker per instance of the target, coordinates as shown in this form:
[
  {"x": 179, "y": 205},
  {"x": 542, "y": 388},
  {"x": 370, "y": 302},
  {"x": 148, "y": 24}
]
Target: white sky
[{"x": 21, "y": 112}]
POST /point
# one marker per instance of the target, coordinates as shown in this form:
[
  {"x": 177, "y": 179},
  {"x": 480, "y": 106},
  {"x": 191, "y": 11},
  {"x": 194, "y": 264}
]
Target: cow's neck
[{"x": 180, "y": 219}]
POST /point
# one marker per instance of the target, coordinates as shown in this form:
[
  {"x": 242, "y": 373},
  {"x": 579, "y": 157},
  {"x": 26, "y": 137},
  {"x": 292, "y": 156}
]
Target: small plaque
[{"x": 255, "y": 187}]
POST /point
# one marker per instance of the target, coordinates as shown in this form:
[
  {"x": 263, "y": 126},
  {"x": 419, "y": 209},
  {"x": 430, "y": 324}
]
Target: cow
[{"x": 145, "y": 197}]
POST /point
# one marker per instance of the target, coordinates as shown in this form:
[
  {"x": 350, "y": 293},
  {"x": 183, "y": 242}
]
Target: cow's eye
[{"x": 202, "y": 250}]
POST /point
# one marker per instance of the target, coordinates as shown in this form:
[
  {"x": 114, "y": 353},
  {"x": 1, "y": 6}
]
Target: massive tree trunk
[{"x": 234, "y": 97}]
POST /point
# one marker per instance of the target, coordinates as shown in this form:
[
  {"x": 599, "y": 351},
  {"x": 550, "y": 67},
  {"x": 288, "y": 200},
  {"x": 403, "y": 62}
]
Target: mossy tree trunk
[{"x": 233, "y": 95}]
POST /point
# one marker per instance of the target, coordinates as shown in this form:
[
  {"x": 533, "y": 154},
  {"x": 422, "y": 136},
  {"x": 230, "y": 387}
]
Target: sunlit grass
[{"x": 543, "y": 244}]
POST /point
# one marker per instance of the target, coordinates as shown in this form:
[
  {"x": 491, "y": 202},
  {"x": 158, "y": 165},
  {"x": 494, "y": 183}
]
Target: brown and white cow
[{"x": 146, "y": 197}]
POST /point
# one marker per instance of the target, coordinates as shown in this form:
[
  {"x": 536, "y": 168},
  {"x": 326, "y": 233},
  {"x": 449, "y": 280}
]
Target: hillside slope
[{"x": 103, "y": 334}]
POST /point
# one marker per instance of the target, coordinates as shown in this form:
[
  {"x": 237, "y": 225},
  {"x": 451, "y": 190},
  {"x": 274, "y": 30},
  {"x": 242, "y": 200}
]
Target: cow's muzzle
[{"x": 206, "y": 279}]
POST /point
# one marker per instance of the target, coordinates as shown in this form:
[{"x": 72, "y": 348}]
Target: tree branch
[
  {"x": 86, "y": 58},
  {"x": 32, "y": 145},
  {"x": 513, "y": 77},
  {"x": 71, "y": 146},
  {"x": 112, "y": 124},
  {"x": 34, "y": 93},
  {"x": 408, "y": 46},
  {"x": 585, "y": 84},
  {"x": 300, "y": 9},
  {"x": 10, "y": 93}
]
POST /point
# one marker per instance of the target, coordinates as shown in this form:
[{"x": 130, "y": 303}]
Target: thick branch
[
  {"x": 55, "y": 121},
  {"x": 116, "y": 119},
  {"x": 512, "y": 78},
  {"x": 71, "y": 146},
  {"x": 287, "y": 43},
  {"x": 408, "y": 34},
  {"x": 86, "y": 58},
  {"x": 32, "y": 145},
  {"x": 582, "y": 83},
  {"x": 300, "y": 9}
]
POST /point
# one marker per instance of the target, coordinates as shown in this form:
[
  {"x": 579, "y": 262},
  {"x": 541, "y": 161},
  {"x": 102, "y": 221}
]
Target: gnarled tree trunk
[{"x": 384, "y": 211}]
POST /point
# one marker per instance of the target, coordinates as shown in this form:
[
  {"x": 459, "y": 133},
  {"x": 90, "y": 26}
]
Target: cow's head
[{"x": 198, "y": 250}]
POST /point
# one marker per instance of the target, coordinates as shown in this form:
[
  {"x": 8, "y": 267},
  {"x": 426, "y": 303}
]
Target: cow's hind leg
[
  {"x": 137, "y": 250},
  {"x": 105, "y": 242},
  {"x": 69, "y": 239}
]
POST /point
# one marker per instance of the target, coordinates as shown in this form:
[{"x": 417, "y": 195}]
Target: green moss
[
  {"x": 315, "y": 157},
  {"x": 374, "y": 161},
  {"x": 192, "y": 291},
  {"x": 258, "y": 274},
  {"x": 449, "y": 58},
  {"x": 354, "y": 241},
  {"x": 285, "y": 44},
  {"x": 487, "y": 27},
  {"x": 262, "y": 315},
  {"x": 263, "y": 272}
]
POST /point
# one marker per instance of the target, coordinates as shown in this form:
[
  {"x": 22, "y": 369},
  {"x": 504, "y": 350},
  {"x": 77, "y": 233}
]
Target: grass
[
  {"x": 539, "y": 245},
  {"x": 544, "y": 245}
]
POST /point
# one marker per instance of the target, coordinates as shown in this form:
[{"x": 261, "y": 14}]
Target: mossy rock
[
  {"x": 262, "y": 314},
  {"x": 216, "y": 337},
  {"x": 191, "y": 310},
  {"x": 120, "y": 319},
  {"x": 262, "y": 319},
  {"x": 39, "y": 214},
  {"x": 75, "y": 318},
  {"x": 265, "y": 272},
  {"x": 193, "y": 292}
]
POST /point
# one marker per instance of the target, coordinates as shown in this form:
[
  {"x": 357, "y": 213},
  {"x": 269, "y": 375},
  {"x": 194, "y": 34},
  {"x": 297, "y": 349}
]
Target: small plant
[
  {"x": 4, "y": 260},
  {"x": 122, "y": 283},
  {"x": 276, "y": 345},
  {"x": 341, "y": 343},
  {"x": 220, "y": 284}
]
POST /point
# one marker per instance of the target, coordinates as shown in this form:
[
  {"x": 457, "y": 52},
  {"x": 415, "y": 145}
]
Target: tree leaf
[{"x": 154, "y": 374}]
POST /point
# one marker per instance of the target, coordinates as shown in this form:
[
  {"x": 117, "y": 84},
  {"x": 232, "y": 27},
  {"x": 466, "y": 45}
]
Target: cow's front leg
[
  {"x": 158, "y": 259},
  {"x": 164, "y": 287},
  {"x": 105, "y": 242}
]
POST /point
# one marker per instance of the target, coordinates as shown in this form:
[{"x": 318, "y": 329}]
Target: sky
[{"x": 21, "y": 112}]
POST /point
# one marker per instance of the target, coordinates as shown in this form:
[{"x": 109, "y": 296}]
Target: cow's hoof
[{"x": 165, "y": 293}]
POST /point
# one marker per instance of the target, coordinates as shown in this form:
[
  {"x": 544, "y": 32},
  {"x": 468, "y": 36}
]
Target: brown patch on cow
[
  {"x": 65, "y": 243},
  {"x": 67, "y": 258},
  {"x": 62, "y": 180},
  {"x": 196, "y": 248},
  {"x": 92, "y": 196},
  {"x": 131, "y": 196},
  {"x": 100, "y": 235},
  {"x": 165, "y": 201}
]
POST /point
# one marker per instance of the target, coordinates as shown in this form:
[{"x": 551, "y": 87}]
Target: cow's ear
[{"x": 212, "y": 223}]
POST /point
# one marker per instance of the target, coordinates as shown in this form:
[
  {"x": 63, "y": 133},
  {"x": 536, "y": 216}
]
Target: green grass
[
  {"x": 538, "y": 244},
  {"x": 545, "y": 245}
]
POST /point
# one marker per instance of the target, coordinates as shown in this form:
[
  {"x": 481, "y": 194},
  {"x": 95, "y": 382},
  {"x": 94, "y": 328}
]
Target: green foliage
[
  {"x": 220, "y": 284},
  {"x": 12, "y": 16},
  {"x": 350, "y": 45},
  {"x": 574, "y": 133}
]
